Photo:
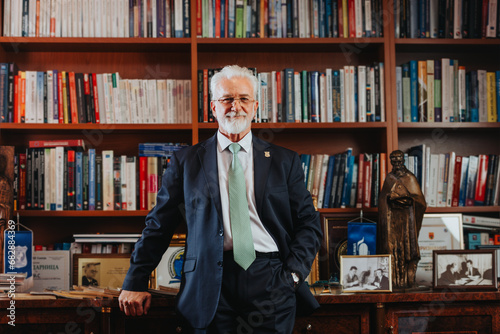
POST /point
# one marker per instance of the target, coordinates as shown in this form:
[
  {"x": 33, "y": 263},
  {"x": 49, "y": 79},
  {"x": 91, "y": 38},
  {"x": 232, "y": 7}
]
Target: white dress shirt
[{"x": 262, "y": 240}]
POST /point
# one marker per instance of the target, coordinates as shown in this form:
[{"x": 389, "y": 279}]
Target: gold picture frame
[{"x": 103, "y": 270}]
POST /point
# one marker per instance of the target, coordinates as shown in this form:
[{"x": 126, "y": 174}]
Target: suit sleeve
[
  {"x": 161, "y": 223},
  {"x": 306, "y": 233}
]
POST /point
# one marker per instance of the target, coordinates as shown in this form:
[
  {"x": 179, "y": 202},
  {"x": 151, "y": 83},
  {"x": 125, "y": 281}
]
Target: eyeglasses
[{"x": 230, "y": 100}]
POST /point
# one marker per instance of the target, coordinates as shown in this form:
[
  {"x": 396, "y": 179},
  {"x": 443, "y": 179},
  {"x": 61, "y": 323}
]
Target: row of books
[
  {"x": 475, "y": 239},
  {"x": 443, "y": 91},
  {"x": 289, "y": 18},
  {"x": 344, "y": 180},
  {"x": 96, "y": 18},
  {"x": 446, "y": 19},
  {"x": 452, "y": 180},
  {"x": 349, "y": 94},
  {"x": 50, "y": 176},
  {"x": 67, "y": 97}
]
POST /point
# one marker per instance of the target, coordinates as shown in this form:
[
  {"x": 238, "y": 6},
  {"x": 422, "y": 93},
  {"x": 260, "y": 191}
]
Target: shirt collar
[{"x": 223, "y": 142}]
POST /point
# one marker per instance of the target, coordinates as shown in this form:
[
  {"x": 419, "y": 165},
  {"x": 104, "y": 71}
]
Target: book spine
[{"x": 79, "y": 181}]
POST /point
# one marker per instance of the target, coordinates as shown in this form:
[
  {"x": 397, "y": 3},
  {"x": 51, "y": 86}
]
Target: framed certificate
[{"x": 438, "y": 232}]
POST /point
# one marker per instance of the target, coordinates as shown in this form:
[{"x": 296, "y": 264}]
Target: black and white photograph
[
  {"x": 466, "y": 269},
  {"x": 366, "y": 273}
]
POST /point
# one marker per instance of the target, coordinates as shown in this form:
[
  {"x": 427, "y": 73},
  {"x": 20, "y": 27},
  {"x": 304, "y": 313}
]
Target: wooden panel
[{"x": 348, "y": 319}]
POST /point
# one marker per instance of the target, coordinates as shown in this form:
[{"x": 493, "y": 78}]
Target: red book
[
  {"x": 455, "y": 195},
  {"x": 55, "y": 143},
  {"x": 199, "y": 29},
  {"x": 72, "y": 97},
  {"x": 361, "y": 174},
  {"x": 217, "y": 18},
  {"x": 21, "y": 196},
  {"x": 383, "y": 168},
  {"x": 60, "y": 98},
  {"x": 352, "y": 19},
  {"x": 367, "y": 196},
  {"x": 341, "y": 20},
  {"x": 482, "y": 176},
  {"x": 86, "y": 95},
  {"x": 143, "y": 183},
  {"x": 496, "y": 239},
  {"x": 71, "y": 180},
  {"x": 96, "y": 98},
  {"x": 484, "y": 18}
]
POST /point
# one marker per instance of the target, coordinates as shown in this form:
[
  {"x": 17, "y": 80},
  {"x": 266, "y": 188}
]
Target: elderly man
[{"x": 252, "y": 230}]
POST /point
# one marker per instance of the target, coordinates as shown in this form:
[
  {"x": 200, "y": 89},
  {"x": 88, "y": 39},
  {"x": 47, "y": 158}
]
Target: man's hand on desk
[{"x": 134, "y": 302}]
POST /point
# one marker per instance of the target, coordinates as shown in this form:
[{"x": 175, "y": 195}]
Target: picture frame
[
  {"x": 103, "y": 270},
  {"x": 366, "y": 273},
  {"x": 438, "y": 232},
  {"x": 333, "y": 245},
  {"x": 169, "y": 271},
  {"x": 471, "y": 269}
]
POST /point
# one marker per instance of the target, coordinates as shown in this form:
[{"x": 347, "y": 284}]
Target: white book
[
  {"x": 342, "y": 94},
  {"x": 308, "y": 12},
  {"x": 329, "y": 97},
  {"x": 79, "y": 17},
  {"x": 41, "y": 18},
  {"x": 39, "y": 97},
  {"x": 362, "y": 93},
  {"x": 445, "y": 89},
  {"x": 451, "y": 173},
  {"x": 263, "y": 97},
  {"x": 462, "y": 96},
  {"x": 155, "y": 15},
  {"x": 59, "y": 168},
  {"x": 382, "y": 92},
  {"x": 123, "y": 182},
  {"x": 14, "y": 18},
  {"x": 433, "y": 22},
  {"x": 481, "y": 83},
  {"x": 399, "y": 93},
  {"x": 161, "y": 100},
  {"x": 74, "y": 17},
  {"x": 431, "y": 194},
  {"x": 30, "y": 104},
  {"x": 347, "y": 94},
  {"x": 116, "y": 97},
  {"x": 170, "y": 101},
  {"x": 430, "y": 90},
  {"x": 85, "y": 18},
  {"x": 101, "y": 97},
  {"x": 7, "y": 17},
  {"x": 440, "y": 183},
  {"x": 108, "y": 111},
  {"x": 457, "y": 19},
  {"x": 426, "y": 167},
  {"x": 107, "y": 180},
  {"x": 451, "y": 91},
  {"x": 178, "y": 17},
  {"x": 57, "y": 23},
  {"x": 179, "y": 108},
  {"x": 147, "y": 116},
  {"x": 322, "y": 98},
  {"x": 140, "y": 102},
  {"x": 324, "y": 170},
  {"x": 47, "y": 181},
  {"x": 368, "y": 17},
  {"x": 358, "y": 17},
  {"x": 124, "y": 101},
  {"x": 130, "y": 171},
  {"x": 491, "y": 27},
  {"x": 273, "y": 98},
  {"x": 372, "y": 92},
  {"x": 90, "y": 18},
  {"x": 411, "y": 163},
  {"x": 298, "y": 98},
  {"x": 53, "y": 179},
  {"x": 134, "y": 92},
  {"x": 31, "y": 18},
  {"x": 126, "y": 19},
  {"x": 64, "y": 17},
  {"x": 152, "y": 100},
  {"x": 302, "y": 19},
  {"x": 188, "y": 114},
  {"x": 480, "y": 220},
  {"x": 51, "y": 113},
  {"x": 352, "y": 104},
  {"x": 98, "y": 16}
]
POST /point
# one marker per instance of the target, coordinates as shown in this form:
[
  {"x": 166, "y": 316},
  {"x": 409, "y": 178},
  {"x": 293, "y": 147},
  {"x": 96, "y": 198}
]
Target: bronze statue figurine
[{"x": 401, "y": 210}]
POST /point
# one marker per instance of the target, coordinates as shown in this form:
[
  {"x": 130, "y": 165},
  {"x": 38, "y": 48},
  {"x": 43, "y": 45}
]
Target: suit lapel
[
  {"x": 207, "y": 154},
  {"x": 262, "y": 157}
]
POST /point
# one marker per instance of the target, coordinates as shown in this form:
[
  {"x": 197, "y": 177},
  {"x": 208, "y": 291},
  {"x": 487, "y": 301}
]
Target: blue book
[
  {"x": 39, "y": 97},
  {"x": 328, "y": 182},
  {"x": 79, "y": 180},
  {"x": 55, "y": 92},
  {"x": 346, "y": 191},
  {"x": 336, "y": 95},
  {"x": 223, "y": 18},
  {"x": 160, "y": 18},
  {"x": 131, "y": 18},
  {"x": 321, "y": 15},
  {"x": 328, "y": 19},
  {"x": 289, "y": 96},
  {"x": 231, "y": 13},
  {"x": 305, "y": 161},
  {"x": 4, "y": 86},
  {"x": 186, "y": 25},
  {"x": 314, "y": 75},
  {"x": 414, "y": 90},
  {"x": 422, "y": 15},
  {"x": 474, "y": 97},
  {"x": 92, "y": 179},
  {"x": 289, "y": 20}
]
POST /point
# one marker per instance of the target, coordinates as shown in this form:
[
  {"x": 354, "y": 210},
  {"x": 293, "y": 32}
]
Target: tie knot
[{"x": 234, "y": 148}]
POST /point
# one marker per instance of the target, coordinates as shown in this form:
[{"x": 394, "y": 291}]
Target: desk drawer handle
[{"x": 309, "y": 327}]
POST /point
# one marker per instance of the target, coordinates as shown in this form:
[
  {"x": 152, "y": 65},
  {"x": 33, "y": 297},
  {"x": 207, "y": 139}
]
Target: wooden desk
[{"x": 444, "y": 312}]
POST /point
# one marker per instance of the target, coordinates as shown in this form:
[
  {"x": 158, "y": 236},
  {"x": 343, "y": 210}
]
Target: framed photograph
[
  {"x": 465, "y": 269},
  {"x": 334, "y": 244},
  {"x": 169, "y": 270},
  {"x": 366, "y": 273},
  {"x": 438, "y": 232},
  {"x": 103, "y": 270}
]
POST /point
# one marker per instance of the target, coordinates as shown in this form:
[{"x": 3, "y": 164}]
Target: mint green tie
[{"x": 243, "y": 250}]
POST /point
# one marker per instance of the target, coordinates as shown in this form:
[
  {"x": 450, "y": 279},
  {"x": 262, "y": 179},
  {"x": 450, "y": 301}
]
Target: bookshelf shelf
[
  {"x": 447, "y": 41},
  {"x": 465, "y": 209},
  {"x": 107, "y": 127},
  {"x": 72, "y": 213},
  {"x": 443, "y": 125}
]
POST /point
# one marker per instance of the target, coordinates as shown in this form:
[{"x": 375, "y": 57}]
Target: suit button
[
  {"x": 221, "y": 233},
  {"x": 219, "y": 263}
]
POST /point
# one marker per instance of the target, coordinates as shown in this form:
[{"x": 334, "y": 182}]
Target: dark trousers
[{"x": 258, "y": 300}]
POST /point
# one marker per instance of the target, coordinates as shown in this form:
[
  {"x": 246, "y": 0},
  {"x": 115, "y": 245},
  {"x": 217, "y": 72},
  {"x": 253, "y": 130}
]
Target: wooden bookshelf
[{"x": 180, "y": 58}]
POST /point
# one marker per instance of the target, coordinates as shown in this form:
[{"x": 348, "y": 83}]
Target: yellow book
[
  {"x": 65, "y": 97},
  {"x": 422, "y": 91},
  {"x": 491, "y": 103}
]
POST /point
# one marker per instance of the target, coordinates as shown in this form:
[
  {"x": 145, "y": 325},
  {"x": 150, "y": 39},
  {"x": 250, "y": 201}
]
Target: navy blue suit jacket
[{"x": 190, "y": 192}]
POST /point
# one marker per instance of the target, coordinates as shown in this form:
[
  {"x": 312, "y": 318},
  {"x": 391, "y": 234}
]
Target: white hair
[{"x": 231, "y": 71}]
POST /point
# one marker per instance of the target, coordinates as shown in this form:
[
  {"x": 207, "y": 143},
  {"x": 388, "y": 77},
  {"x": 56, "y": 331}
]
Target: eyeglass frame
[{"x": 234, "y": 99}]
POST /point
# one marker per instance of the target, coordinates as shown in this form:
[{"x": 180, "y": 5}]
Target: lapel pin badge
[{"x": 267, "y": 154}]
